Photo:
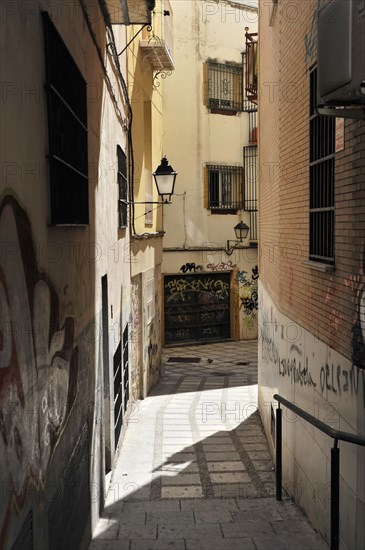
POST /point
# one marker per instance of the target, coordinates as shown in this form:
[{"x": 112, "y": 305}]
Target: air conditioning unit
[{"x": 341, "y": 53}]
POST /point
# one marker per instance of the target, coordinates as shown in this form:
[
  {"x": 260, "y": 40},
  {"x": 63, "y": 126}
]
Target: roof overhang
[{"x": 130, "y": 12}]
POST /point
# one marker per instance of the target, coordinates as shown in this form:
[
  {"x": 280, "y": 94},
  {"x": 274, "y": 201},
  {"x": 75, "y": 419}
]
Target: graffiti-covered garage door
[{"x": 196, "y": 307}]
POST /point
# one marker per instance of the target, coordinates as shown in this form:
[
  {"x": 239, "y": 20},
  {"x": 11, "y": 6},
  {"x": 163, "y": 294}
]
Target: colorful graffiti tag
[
  {"x": 38, "y": 362},
  {"x": 248, "y": 288}
]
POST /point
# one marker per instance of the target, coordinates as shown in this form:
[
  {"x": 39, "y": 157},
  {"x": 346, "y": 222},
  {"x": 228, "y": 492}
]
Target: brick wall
[{"x": 324, "y": 303}]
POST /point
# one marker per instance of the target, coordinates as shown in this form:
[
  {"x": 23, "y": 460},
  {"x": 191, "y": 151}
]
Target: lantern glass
[
  {"x": 165, "y": 178},
  {"x": 241, "y": 231}
]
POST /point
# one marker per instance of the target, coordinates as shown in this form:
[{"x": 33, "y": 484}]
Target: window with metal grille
[
  {"x": 125, "y": 368},
  {"x": 118, "y": 393},
  {"x": 123, "y": 190},
  {"x": 321, "y": 181},
  {"x": 67, "y": 132},
  {"x": 250, "y": 187},
  {"x": 223, "y": 87},
  {"x": 224, "y": 187}
]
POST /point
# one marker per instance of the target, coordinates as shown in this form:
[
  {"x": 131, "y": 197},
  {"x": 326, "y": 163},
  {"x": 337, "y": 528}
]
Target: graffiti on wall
[
  {"x": 222, "y": 266},
  {"x": 358, "y": 330},
  {"x": 330, "y": 379},
  {"x": 153, "y": 337},
  {"x": 190, "y": 267},
  {"x": 135, "y": 336},
  {"x": 38, "y": 362},
  {"x": 196, "y": 307},
  {"x": 181, "y": 289},
  {"x": 248, "y": 293}
]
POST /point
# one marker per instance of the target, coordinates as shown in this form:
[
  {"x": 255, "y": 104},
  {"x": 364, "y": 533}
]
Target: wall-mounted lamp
[
  {"x": 241, "y": 232},
  {"x": 164, "y": 177}
]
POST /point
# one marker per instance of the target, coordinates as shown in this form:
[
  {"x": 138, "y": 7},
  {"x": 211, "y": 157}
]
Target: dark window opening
[
  {"x": 67, "y": 132},
  {"x": 224, "y": 187},
  {"x": 123, "y": 190},
  {"x": 321, "y": 181}
]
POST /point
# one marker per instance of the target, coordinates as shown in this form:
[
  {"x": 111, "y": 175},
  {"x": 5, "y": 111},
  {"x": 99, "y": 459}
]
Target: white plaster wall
[
  {"x": 194, "y": 137},
  {"x": 298, "y": 366}
]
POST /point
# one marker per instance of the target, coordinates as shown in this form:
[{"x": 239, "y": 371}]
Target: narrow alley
[{"x": 194, "y": 470}]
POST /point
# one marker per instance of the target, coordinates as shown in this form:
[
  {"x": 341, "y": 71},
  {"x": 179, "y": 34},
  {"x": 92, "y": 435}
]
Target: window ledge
[
  {"x": 147, "y": 235},
  {"x": 223, "y": 211},
  {"x": 227, "y": 112},
  {"x": 324, "y": 268},
  {"x": 68, "y": 225}
]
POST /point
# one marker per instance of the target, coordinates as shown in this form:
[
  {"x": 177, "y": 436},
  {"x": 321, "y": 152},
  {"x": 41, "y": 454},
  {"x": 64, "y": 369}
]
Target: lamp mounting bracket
[{"x": 358, "y": 113}]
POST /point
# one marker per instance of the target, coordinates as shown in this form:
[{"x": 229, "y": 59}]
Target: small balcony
[{"x": 157, "y": 44}]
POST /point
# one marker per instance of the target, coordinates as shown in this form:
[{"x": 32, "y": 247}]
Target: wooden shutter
[
  {"x": 206, "y": 190},
  {"x": 205, "y": 83}
]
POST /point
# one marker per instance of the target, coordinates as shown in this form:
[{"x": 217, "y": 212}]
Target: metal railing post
[
  {"x": 335, "y": 496},
  {"x": 278, "y": 453}
]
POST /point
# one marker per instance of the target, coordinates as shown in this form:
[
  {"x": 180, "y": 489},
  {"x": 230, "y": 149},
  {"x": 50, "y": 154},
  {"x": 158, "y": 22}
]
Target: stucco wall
[
  {"x": 204, "y": 30},
  {"x": 51, "y": 372}
]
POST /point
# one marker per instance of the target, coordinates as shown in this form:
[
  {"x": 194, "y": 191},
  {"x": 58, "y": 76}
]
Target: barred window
[
  {"x": 123, "y": 191},
  {"x": 250, "y": 187},
  {"x": 321, "y": 181},
  {"x": 223, "y": 85},
  {"x": 67, "y": 132},
  {"x": 223, "y": 187}
]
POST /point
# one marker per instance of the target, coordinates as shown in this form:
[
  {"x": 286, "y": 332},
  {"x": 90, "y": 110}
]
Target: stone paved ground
[{"x": 194, "y": 471}]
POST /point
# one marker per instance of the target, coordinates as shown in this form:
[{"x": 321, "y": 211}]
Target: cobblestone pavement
[{"x": 194, "y": 470}]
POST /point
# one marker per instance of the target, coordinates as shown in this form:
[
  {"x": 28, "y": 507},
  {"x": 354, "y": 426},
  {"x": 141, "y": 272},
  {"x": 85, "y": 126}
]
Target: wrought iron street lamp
[
  {"x": 241, "y": 232},
  {"x": 165, "y": 177}
]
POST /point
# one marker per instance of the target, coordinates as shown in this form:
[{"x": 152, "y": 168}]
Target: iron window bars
[
  {"x": 250, "y": 187},
  {"x": 224, "y": 87},
  {"x": 123, "y": 190},
  {"x": 321, "y": 181},
  {"x": 67, "y": 131},
  {"x": 224, "y": 187}
]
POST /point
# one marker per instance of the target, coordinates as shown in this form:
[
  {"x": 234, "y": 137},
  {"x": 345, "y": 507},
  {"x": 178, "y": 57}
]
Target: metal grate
[
  {"x": 225, "y": 85},
  {"x": 322, "y": 181},
  {"x": 118, "y": 395},
  {"x": 122, "y": 184},
  {"x": 125, "y": 368},
  {"x": 225, "y": 187},
  {"x": 248, "y": 106},
  {"x": 250, "y": 187},
  {"x": 67, "y": 131}
]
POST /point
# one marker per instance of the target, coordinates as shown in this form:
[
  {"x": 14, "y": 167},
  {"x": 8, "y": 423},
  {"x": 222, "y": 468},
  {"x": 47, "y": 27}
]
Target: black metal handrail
[{"x": 337, "y": 435}]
